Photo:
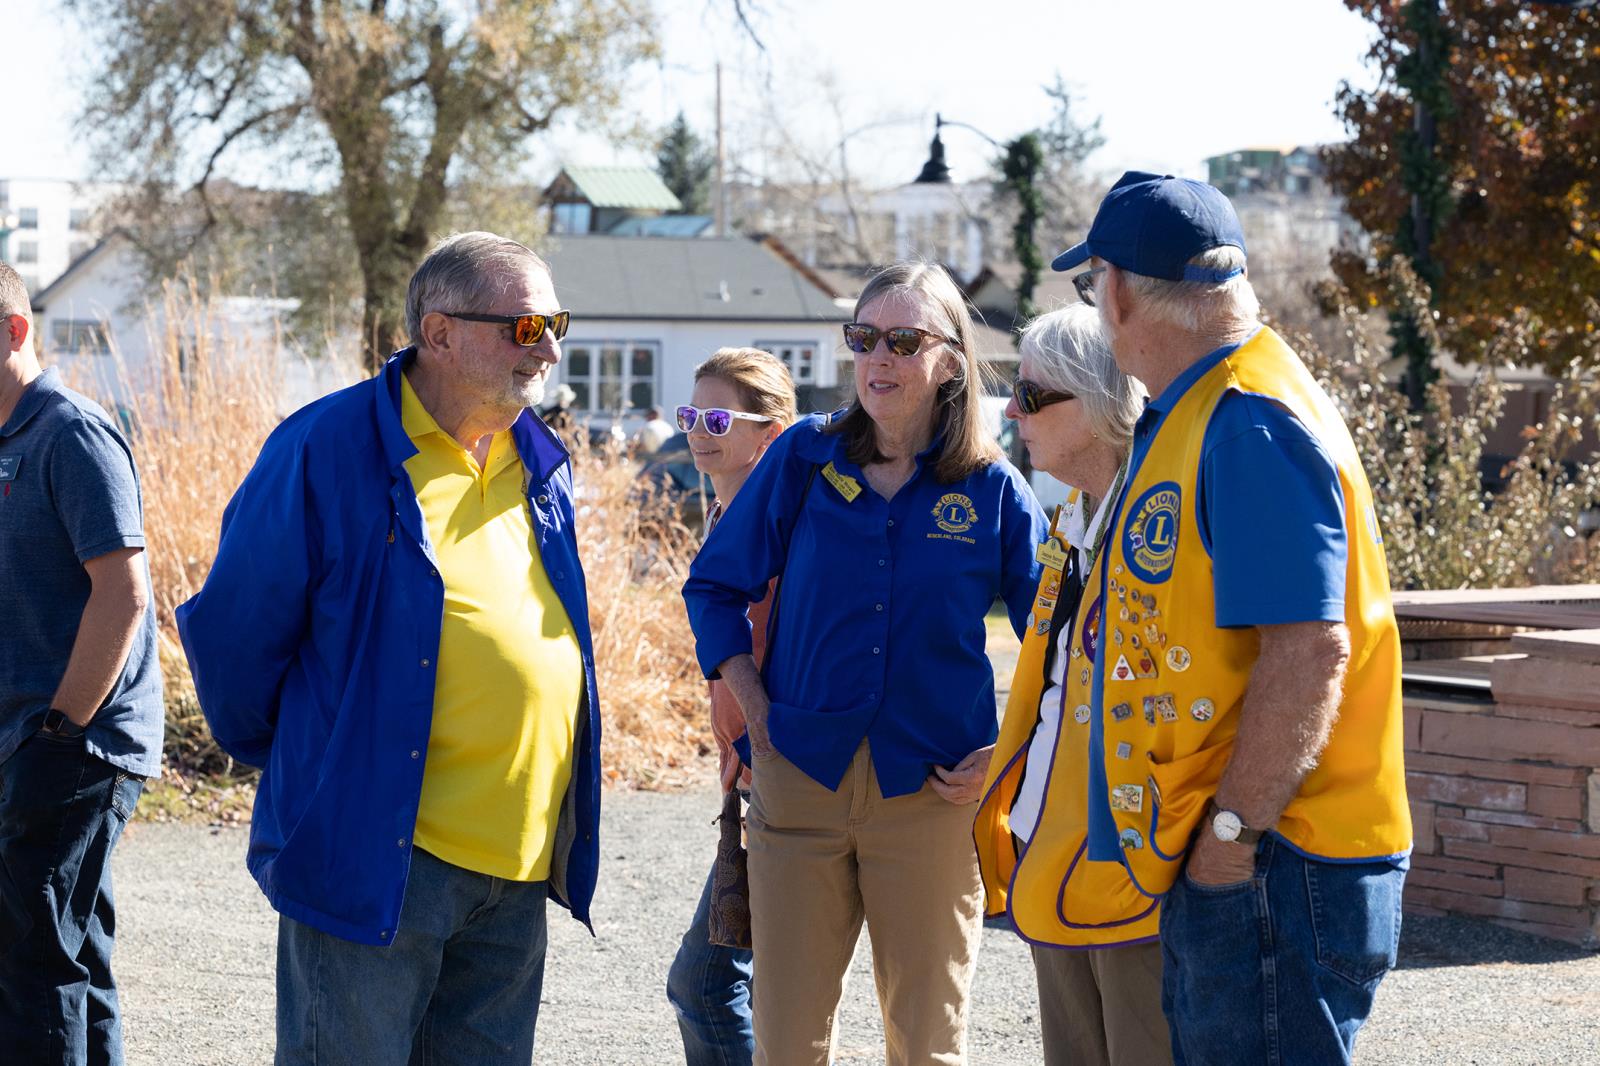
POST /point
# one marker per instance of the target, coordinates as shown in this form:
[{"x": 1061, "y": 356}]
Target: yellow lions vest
[
  {"x": 1123, "y": 914},
  {"x": 1168, "y": 685}
]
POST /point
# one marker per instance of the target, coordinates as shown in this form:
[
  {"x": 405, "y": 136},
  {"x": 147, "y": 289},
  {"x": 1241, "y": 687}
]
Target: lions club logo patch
[
  {"x": 954, "y": 514},
  {"x": 1150, "y": 535}
]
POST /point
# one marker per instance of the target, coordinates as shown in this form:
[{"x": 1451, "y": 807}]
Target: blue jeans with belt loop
[
  {"x": 1282, "y": 968},
  {"x": 459, "y": 986},
  {"x": 62, "y": 810},
  {"x": 709, "y": 987}
]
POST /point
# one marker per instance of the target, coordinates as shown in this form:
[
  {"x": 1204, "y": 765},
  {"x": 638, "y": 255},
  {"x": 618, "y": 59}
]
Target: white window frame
[
  {"x": 74, "y": 336},
  {"x": 803, "y": 371},
  {"x": 592, "y": 382}
]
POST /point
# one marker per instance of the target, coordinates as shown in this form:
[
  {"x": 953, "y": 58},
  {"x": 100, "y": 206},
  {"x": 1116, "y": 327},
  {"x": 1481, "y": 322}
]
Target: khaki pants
[
  {"x": 1102, "y": 1007},
  {"x": 821, "y": 862}
]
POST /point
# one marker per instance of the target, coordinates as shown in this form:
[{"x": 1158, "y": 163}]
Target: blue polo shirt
[
  {"x": 879, "y": 628},
  {"x": 69, "y": 493},
  {"x": 1270, "y": 512}
]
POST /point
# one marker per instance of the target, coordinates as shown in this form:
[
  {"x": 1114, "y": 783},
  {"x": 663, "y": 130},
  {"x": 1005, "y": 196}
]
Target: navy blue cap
[{"x": 1153, "y": 224}]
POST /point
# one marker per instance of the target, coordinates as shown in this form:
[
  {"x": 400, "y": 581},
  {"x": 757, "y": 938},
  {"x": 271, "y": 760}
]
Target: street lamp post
[{"x": 1021, "y": 160}]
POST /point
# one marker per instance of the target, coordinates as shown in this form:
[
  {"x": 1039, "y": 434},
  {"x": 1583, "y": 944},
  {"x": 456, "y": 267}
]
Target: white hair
[
  {"x": 1227, "y": 308},
  {"x": 1066, "y": 350},
  {"x": 463, "y": 273}
]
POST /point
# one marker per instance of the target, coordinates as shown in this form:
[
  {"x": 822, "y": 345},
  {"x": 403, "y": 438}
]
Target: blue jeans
[
  {"x": 1281, "y": 968},
  {"x": 61, "y": 812},
  {"x": 460, "y": 983},
  {"x": 709, "y": 987}
]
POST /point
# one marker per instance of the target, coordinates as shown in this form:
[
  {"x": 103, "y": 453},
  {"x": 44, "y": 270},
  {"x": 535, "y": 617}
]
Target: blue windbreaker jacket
[{"x": 314, "y": 643}]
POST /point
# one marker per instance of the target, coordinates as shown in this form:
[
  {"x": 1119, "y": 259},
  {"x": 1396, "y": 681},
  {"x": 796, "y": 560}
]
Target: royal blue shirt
[
  {"x": 314, "y": 644},
  {"x": 879, "y": 629},
  {"x": 1270, "y": 511}
]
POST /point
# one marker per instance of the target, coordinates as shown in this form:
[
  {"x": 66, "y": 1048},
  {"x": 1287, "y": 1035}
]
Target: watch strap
[
  {"x": 1247, "y": 836},
  {"x": 57, "y": 722}
]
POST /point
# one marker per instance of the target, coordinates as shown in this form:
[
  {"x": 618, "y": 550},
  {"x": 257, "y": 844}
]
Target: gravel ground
[{"x": 196, "y": 941}]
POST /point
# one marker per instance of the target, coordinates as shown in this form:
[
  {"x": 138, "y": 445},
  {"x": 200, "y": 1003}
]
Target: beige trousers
[
  {"x": 821, "y": 862},
  {"x": 1102, "y": 1007}
]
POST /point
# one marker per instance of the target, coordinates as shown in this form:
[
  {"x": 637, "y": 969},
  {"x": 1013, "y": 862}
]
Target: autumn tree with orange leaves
[{"x": 1510, "y": 184}]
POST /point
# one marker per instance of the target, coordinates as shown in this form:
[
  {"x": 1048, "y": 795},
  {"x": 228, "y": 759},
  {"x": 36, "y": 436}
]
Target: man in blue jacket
[{"x": 396, "y": 630}]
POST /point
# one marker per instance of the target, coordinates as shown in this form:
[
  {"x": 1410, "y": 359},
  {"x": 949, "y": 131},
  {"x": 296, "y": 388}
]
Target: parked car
[{"x": 671, "y": 470}]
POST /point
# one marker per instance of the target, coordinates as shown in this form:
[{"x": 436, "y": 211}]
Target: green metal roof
[{"x": 635, "y": 188}]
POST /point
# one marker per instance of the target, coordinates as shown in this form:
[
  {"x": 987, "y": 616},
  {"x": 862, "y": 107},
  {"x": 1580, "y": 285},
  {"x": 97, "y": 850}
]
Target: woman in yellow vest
[{"x": 1075, "y": 411}]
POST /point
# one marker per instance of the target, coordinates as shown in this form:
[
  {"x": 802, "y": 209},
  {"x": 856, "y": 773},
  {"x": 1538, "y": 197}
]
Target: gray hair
[
  {"x": 14, "y": 294},
  {"x": 1066, "y": 350},
  {"x": 1225, "y": 309},
  {"x": 464, "y": 272}
]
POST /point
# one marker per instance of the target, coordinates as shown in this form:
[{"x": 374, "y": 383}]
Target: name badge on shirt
[
  {"x": 1051, "y": 555},
  {"x": 847, "y": 486},
  {"x": 8, "y": 467}
]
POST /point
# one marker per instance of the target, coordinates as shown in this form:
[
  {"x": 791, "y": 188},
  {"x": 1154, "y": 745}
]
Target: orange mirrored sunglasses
[{"x": 525, "y": 329}]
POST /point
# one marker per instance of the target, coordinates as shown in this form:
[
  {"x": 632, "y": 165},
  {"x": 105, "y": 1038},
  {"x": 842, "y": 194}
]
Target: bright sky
[{"x": 1173, "y": 80}]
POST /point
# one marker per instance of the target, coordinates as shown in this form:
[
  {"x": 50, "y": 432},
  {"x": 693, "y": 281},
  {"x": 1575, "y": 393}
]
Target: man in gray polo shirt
[{"x": 80, "y": 700}]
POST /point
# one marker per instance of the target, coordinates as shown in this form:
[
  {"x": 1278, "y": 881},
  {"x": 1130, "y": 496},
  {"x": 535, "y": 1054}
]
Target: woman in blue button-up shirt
[{"x": 895, "y": 525}]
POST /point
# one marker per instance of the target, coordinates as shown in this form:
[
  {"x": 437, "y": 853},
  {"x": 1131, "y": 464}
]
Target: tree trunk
[{"x": 386, "y": 272}]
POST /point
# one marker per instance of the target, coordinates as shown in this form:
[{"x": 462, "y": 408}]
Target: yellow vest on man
[{"x": 1168, "y": 685}]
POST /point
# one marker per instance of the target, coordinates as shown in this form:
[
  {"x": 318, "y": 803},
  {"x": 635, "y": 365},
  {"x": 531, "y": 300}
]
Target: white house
[
  {"x": 101, "y": 326},
  {"x": 647, "y": 310}
]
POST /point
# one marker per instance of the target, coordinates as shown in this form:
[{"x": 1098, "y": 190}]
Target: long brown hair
[
  {"x": 762, "y": 381},
  {"x": 967, "y": 446}
]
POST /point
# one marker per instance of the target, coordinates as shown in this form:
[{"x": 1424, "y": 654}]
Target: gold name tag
[
  {"x": 847, "y": 486},
  {"x": 1051, "y": 555}
]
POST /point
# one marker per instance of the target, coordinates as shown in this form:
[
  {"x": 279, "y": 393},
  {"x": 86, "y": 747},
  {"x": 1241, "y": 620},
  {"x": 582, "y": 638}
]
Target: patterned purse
[{"x": 729, "y": 918}]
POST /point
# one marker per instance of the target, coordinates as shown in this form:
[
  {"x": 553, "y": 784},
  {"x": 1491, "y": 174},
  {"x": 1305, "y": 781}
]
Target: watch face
[{"x": 1227, "y": 826}]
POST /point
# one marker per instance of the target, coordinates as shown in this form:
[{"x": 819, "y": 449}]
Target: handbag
[{"x": 728, "y": 919}]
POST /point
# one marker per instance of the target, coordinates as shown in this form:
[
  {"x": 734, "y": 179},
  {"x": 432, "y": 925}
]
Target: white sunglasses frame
[{"x": 700, "y": 418}]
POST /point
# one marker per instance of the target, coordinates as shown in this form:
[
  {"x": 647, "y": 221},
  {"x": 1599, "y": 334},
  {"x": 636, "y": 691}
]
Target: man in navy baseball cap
[
  {"x": 1246, "y": 539},
  {"x": 1153, "y": 224}
]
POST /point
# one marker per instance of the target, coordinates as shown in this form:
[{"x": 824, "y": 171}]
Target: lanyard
[{"x": 1097, "y": 536}]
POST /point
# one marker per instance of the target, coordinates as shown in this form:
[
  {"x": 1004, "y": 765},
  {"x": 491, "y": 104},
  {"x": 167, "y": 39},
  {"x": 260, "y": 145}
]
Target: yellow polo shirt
[{"x": 510, "y": 675}]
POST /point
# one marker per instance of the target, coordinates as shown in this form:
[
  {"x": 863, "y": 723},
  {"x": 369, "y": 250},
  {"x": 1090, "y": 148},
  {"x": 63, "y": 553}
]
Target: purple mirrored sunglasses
[{"x": 718, "y": 420}]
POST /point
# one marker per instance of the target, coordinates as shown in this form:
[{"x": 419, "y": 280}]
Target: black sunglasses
[
  {"x": 1084, "y": 283},
  {"x": 525, "y": 329},
  {"x": 904, "y": 341},
  {"x": 1032, "y": 398}
]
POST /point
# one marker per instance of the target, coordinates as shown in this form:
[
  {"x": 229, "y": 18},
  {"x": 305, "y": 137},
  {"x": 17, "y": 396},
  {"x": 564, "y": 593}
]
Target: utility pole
[{"x": 721, "y": 202}]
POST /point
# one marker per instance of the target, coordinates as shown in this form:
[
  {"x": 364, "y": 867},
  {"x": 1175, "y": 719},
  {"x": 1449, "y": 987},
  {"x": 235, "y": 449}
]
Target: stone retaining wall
[{"x": 1505, "y": 792}]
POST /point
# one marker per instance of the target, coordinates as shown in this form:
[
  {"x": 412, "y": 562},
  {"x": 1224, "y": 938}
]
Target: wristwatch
[
  {"x": 1229, "y": 828},
  {"x": 58, "y": 723}
]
